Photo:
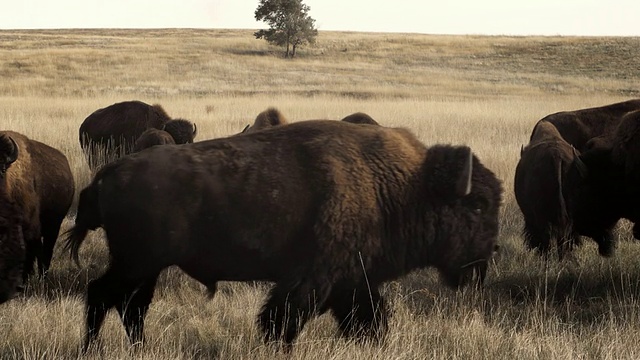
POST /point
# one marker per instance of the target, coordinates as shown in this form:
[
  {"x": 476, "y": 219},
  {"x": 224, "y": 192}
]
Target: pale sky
[{"x": 486, "y": 17}]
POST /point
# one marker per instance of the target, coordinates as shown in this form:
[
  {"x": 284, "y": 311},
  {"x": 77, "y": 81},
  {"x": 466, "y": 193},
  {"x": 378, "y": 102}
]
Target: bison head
[
  {"x": 8, "y": 153},
  {"x": 266, "y": 119},
  {"x": 182, "y": 131},
  {"x": 466, "y": 198}
]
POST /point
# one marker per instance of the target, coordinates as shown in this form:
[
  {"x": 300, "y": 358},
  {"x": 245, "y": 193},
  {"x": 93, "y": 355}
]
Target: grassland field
[{"x": 483, "y": 91}]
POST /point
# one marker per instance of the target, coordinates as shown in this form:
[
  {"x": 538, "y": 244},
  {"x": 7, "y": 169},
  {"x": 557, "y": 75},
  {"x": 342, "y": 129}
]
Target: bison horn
[
  {"x": 464, "y": 182},
  {"x": 195, "y": 130},
  {"x": 14, "y": 154},
  {"x": 245, "y": 128},
  {"x": 521, "y": 150}
]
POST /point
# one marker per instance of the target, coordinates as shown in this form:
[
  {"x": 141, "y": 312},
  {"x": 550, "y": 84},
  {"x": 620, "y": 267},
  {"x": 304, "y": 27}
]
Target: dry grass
[{"x": 483, "y": 91}]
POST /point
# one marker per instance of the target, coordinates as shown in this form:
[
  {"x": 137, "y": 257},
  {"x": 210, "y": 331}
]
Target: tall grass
[{"x": 486, "y": 92}]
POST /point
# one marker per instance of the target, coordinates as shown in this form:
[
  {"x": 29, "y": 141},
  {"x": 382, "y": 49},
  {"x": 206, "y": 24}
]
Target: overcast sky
[{"x": 494, "y": 17}]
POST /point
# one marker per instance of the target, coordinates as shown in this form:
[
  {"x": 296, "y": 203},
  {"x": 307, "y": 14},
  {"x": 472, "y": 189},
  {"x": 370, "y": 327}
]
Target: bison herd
[{"x": 347, "y": 205}]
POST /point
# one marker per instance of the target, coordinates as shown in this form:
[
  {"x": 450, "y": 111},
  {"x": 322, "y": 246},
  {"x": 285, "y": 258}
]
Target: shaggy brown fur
[
  {"x": 151, "y": 137},
  {"x": 578, "y": 126},
  {"x": 360, "y": 118},
  {"x": 540, "y": 186},
  {"x": 41, "y": 185},
  {"x": 12, "y": 252},
  {"x": 349, "y": 208},
  {"x": 266, "y": 119},
  {"x": 111, "y": 132}
]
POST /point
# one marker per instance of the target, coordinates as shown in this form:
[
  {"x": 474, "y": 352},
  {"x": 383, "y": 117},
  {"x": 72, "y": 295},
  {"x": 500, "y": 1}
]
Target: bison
[
  {"x": 111, "y": 132},
  {"x": 151, "y": 137},
  {"x": 543, "y": 190},
  {"x": 613, "y": 170},
  {"x": 273, "y": 117},
  {"x": 360, "y": 118},
  {"x": 577, "y": 127},
  {"x": 349, "y": 208},
  {"x": 266, "y": 119},
  {"x": 38, "y": 179}
]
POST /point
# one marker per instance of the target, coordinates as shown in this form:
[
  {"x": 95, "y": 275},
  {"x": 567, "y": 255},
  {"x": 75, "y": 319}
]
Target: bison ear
[
  {"x": 449, "y": 170},
  {"x": 10, "y": 148}
]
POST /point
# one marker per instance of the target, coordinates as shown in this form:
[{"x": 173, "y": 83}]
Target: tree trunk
[{"x": 293, "y": 52}]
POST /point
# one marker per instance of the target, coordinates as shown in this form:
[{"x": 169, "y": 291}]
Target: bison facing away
[
  {"x": 266, "y": 119},
  {"x": 360, "y": 118},
  {"x": 38, "y": 179},
  {"x": 111, "y": 132},
  {"x": 579, "y": 126},
  {"x": 549, "y": 198},
  {"x": 151, "y": 137},
  {"x": 349, "y": 208}
]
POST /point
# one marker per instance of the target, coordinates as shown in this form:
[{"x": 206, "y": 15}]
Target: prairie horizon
[{"x": 483, "y": 91}]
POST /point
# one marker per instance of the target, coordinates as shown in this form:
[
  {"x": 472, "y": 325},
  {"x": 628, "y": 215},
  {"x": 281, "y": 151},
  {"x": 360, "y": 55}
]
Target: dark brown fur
[
  {"x": 579, "y": 126},
  {"x": 152, "y": 137},
  {"x": 541, "y": 189},
  {"x": 111, "y": 132},
  {"x": 12, "y": 251},
  {"x": 42, "y": 186},
  {"x": 349, "y": 208}
]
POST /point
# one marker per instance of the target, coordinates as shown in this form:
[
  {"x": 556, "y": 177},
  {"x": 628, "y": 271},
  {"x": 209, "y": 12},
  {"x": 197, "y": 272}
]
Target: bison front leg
[
  {"x": 360, "y": 312},
  {"x": 289, "y": 307},
  {"x": 134, "y": 309}
]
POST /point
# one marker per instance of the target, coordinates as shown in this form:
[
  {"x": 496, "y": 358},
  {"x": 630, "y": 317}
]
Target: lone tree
[{"x": 289, "y": 24}]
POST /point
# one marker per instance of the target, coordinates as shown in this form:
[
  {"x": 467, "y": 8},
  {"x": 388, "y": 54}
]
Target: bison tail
[
  {"x": 88, "y": 218},
  {"x": 564, "y": 235}
]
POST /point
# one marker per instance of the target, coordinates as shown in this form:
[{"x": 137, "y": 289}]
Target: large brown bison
[
  {"x": 543, "y": 190},
  {"x": 152, "y": 137},
  {"x": 38, "y": 179},
  {"x": 577, "y": 127},
  {"x": 349, "y": 208},
  {"x": 111, "y": 132}
]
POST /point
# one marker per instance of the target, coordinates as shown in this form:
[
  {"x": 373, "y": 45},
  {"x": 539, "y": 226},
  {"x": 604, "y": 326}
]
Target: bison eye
[{"x": 477, "y": 210}]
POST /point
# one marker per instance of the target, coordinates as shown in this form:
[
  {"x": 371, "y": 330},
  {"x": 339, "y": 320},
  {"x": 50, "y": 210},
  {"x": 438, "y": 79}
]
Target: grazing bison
[
  {"x": 360, "y": 118},
  {"x": 613, "y": 170},
  {"x": 151, "y": 137},
  {"x": 349, "y": 208},
  {"x": 579, "y": 126},
  {"x": 38, "y": 179},
  {"x": 543, "y": 188},
  {"x": 111, "y": 132},
  {"x": 266, "y": 119}
]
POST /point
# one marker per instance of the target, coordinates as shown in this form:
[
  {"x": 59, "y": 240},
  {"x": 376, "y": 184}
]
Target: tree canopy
[{"x": 289, "y": 24}]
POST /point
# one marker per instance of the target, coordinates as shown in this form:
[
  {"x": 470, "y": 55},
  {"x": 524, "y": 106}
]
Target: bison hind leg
[
  {"x": 289, "y": 307},
  {"x": 361, "y": 313},
  {"x": 133, "y": 309}
]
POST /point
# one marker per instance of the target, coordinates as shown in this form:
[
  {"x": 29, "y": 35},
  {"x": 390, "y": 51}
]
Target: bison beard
[{"x": 349, "y": 207}]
